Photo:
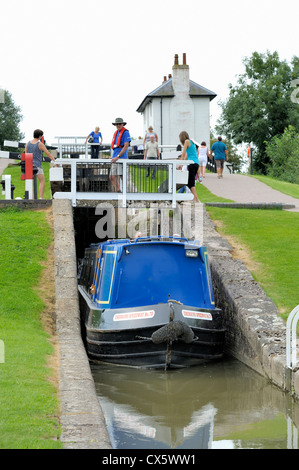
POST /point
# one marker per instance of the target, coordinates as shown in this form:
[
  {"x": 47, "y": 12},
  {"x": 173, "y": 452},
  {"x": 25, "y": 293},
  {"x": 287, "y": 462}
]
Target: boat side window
[
  {"x": 84, "y": 270},
  {"x": 87, "y": 271},
  {"x": 90, "y": 270}
]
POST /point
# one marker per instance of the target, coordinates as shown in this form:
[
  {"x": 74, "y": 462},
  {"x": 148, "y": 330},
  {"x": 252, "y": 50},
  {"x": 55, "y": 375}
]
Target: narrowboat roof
[{"x": 147, "y": 271}]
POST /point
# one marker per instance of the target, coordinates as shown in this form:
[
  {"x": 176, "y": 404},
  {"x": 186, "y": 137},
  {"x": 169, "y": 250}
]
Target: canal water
[{"x": 224, "y": 405}]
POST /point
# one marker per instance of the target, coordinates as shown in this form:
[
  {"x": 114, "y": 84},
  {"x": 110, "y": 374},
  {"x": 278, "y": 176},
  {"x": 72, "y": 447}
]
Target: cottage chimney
[{"x": 180, "y": 76}]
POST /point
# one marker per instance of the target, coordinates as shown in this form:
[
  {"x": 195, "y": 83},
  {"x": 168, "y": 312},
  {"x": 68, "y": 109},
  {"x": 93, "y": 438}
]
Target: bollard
[
  {"x": 27, "y": 173},
  {"x": 6, "y": 186}
]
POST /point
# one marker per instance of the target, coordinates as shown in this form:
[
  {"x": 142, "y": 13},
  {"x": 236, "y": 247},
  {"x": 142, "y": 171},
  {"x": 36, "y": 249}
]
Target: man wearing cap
[{"x": 120, "y": 144}]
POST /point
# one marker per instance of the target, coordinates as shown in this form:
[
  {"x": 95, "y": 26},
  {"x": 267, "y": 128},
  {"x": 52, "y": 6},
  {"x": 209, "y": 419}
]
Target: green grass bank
[
  {"x": 266, "y": 241},
  {"x": 29, "y": 408}
]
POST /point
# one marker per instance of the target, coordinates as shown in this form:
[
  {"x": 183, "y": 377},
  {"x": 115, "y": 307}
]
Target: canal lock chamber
[
  {"x": 255, "y": 333},
  {"x": 243, "y": 342}
]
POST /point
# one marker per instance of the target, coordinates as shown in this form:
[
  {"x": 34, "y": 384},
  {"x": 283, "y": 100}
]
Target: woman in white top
[{"x": 203, "y": 154}]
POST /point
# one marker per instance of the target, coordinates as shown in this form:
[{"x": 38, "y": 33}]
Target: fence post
[
  {"x": 173, "y": 184},
  {"x": 124, "y": 188},
  {"x": 73, "y": 181},
  {"x": 7, "y": 179},
  {"x": 292, "y": 320},
  {"x": 291, "y": 355}
]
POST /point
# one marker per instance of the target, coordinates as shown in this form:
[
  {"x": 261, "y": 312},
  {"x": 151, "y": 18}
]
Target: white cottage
[{"x": 179, "y": 104}]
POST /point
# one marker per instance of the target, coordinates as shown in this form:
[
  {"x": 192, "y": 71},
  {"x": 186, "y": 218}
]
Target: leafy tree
[
  {"x": 259, "y": 106},
  {"x": 283, "y": 154},
  {"x": 10, "y": 118}
]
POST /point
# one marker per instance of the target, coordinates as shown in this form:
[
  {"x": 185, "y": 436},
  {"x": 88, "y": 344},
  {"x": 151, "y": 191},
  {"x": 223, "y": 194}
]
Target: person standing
[
  {"x": 220, "y": 155},
  {"x": 95, "y": 137},
  {"x": 148, "y": 135},
  {"x": 152, "y": 153},
  {"x": 190, "y": 153},
  {"x": 36, "y": 147},
  {"x": 119, "y": 145},
  {"x": 203, "y": 154}
]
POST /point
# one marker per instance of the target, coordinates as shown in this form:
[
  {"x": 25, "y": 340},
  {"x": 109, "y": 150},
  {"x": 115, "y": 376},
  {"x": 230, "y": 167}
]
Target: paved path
[
  {"x": 245, "y": 189},
  {"x": 3, "y": 164}
]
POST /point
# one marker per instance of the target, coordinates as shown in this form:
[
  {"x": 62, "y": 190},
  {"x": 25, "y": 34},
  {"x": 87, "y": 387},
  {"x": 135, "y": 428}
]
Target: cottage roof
[{"x": 166, "y": 91}]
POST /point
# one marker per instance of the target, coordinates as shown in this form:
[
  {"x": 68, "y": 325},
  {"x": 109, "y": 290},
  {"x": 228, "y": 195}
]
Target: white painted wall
[{"x": 179, "y": 113}]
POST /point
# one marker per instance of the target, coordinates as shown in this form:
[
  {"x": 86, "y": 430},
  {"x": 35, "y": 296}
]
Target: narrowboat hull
[{"x": 169, "y": 335}]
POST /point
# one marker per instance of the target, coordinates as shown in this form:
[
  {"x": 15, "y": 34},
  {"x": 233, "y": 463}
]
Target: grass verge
[
  {"x": 268, "y": 244},
  {"x": 28, "y": 400},
  {"x": 15, "y": 171},
  {"x": 204, "y": 195},
  {"x": 283, "y": 186},
  {"x": 266, "y": 241}
]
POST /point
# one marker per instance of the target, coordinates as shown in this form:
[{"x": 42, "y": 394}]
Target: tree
[
  {"x": 259, "y": 106},
  {"x": 10, "y": 118}
]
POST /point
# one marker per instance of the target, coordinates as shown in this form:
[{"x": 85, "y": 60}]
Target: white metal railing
[
  {"x": 72, "y": 147},
  {"x": 70, "y": 140},
  {"x": 124, "y": 195},
  {"x": 291, "y": 346}
]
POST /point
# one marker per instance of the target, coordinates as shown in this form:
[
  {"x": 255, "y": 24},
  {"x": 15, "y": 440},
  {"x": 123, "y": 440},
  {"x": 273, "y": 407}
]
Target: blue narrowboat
[{"x": 149, "y": 303}]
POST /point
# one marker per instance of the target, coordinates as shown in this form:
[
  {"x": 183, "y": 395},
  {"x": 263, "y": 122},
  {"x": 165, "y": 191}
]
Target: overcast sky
[{"x": 72, "y": 64}]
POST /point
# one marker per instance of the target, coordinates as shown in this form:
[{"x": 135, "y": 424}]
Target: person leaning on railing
[
  {"x": 120, "y": 144},
  {"x": 95, "y": 137},
  {"x": 190, "y": 153},
  {"x": 37, "y": 148}
]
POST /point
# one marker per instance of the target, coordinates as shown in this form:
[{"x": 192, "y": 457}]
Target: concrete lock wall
[
  {"x": 81, "y": 417},
  {"x": 256, "y": 335}
]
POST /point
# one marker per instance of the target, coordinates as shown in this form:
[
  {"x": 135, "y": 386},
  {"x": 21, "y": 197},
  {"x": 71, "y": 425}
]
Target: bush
[{"x": 283, "y": 153}]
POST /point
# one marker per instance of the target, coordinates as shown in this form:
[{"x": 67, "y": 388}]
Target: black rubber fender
[{"x": 172, "y": 331}]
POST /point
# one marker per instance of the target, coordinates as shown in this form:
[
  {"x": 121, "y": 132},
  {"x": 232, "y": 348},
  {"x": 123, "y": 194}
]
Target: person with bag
[{"x": 95, "y": 138}]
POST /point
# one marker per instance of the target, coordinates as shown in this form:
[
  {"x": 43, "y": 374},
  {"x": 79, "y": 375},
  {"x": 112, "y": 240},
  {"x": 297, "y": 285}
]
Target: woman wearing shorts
[
  {"x": 203, "y": 154},
  {"x": 36, "y": 147},
  {"x": 190, "y": 153}
]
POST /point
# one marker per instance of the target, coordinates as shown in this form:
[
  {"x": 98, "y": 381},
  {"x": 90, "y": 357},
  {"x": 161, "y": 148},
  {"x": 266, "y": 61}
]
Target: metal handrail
[{"x": 291, "y": 346}]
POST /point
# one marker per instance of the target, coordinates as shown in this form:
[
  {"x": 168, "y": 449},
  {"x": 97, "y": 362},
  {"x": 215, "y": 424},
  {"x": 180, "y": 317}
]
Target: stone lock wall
[{"x": 256, "y": 334}]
